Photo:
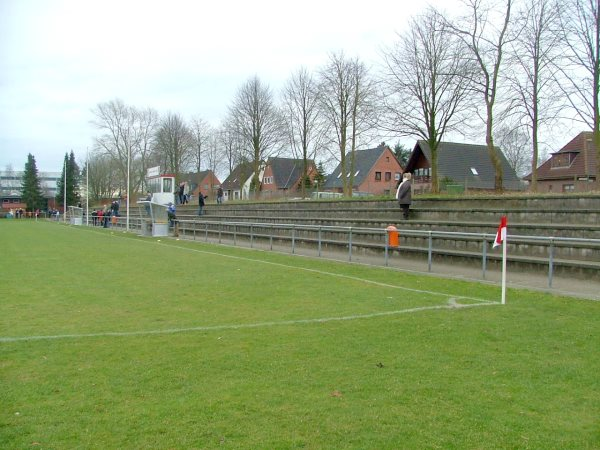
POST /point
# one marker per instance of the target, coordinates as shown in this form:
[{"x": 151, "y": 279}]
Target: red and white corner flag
[
  {"x": 501, "y": 233},
  {"x": 501, "y": 240}
]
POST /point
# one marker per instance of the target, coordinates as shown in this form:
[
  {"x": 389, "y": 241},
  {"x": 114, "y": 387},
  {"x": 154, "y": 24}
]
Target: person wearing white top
[{"x": 404, "y": 194}]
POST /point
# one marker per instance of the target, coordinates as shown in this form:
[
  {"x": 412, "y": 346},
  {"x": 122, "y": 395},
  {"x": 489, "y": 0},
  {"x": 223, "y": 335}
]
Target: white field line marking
[
  {"x": 288, "y": 266},
  {"x": 332, "y": 274},
  {"x": 451, "y": 305}
]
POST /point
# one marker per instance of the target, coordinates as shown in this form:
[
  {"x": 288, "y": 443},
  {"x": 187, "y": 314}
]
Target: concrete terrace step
[
  {"x": 375, "y": 245},
  {"x": 471, "y": 240},
  {"x": 529, "y": 229}
]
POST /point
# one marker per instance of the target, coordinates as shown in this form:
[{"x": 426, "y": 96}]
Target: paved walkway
[{"x": 588, "y": 289}]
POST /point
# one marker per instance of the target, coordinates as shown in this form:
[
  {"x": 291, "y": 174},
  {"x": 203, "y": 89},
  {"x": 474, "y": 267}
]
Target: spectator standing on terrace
[
  {"x": 115, "y": 208},
  {"x": 220, "y": 195},
  {"x": 171, "y": 214},
  {"x": 404, "y": 194},
  {"x": 105, "y": 216},
  {"x": 181, "y": 192},
  {"x": 201, "y": 198}
]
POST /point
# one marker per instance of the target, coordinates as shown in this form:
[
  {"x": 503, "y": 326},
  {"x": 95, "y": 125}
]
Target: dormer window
[
  {"x": 474, "y": 171},
  {"x": 562, "y": 159}
]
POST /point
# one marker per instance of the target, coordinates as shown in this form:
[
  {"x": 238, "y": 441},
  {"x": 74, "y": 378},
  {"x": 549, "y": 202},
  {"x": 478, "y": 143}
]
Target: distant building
[
  {"x": 571, "y": 169},
  {"x": 466, "y": 166},
  {"x": 10, "y": 188},
  {"x": 205, "y": 182},
  {"x": 376, "y": 172},
  {"x": 282, "y": 177},
  {"x": 237, "y": 185}
]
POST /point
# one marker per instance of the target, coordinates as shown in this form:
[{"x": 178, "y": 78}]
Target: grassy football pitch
[{"x": 110, "y": 340}]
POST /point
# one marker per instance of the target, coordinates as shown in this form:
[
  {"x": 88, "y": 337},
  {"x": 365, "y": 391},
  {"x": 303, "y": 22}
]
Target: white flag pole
[
  {"x": 504, "y": 270},
  {"x": 87, "y": 187}
]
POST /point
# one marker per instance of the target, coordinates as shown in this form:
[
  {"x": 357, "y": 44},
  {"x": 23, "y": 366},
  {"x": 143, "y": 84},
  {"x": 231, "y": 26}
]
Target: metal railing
[{"x": 378, "y": 239}]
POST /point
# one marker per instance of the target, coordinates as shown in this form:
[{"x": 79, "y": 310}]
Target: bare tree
[
  {"x": 516, "y": 145},
  {"x": 256, "y": 119},
  {"x": 486, "y": 43},
  {"x": 427, "y": 84},
  {"x": 102, "y": 177},
  {"x": 174, "y": 143},
  {"x": 230, "y": 142},
  {"x": 364, "y": 116},
  {"x": 214, "y": 153},
  {"x": 201, "y": 134},
  {"x": 535, "y": 52},
  {"x": 119, "y": 138},
  {"x": 581, "y": 70},
  {"x": 346, "y": 93},
  {"x": 305, "y": 130},
  {"x": 146, "y": 123}
]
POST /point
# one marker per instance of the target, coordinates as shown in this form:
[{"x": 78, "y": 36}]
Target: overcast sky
[{"x": 60, "y": 58}]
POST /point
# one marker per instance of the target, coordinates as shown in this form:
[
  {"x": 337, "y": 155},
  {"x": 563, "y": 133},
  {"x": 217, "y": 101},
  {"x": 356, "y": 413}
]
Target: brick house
[
  {"x": 571, "y": 169},
  {"x": 282, "y": 177},
  {"x": 205, "y": 182},
  {"x": 376, "y": 172}
]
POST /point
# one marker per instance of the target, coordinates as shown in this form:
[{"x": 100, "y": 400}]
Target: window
[
  {"x": 356, "y": 174},
  {"x": 377, "y": 176},
  {"x": 167, "y": 185},
  {"x": 474, "y": 171},
  {"x": 397, "y": 176},
  {"x": 388, "y": 176},
  {"x": 568, "y": 187},
  {"x": 268, "y": 180},
  {"x": 562, "y": 160}
]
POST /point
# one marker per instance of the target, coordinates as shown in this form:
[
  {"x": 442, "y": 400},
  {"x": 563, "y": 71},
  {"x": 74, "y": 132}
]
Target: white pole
[
  {"x": 504, "y": 270},
  {"x": 87, "y": 187},
  {"x": 128, "y": 158},
  {"x": 65, "y": 194}
]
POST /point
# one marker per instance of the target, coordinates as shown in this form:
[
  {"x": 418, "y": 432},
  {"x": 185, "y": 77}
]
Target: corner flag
[
  {"x": 501, "y": 240},
  {"x": 501, "y": 233}
]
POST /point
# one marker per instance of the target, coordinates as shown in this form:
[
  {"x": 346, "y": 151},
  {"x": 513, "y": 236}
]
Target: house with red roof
[{"x": 571, "y": 169}]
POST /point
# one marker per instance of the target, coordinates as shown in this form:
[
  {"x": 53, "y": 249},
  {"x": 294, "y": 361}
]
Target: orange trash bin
[{"x": 393, "y": 236}]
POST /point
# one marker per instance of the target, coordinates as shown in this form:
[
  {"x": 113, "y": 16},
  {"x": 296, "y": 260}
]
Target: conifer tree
[
  {"x": 319, "y": 179},
  {"x": 31, "y": 190},
  {"x": 72, "y": 182}
]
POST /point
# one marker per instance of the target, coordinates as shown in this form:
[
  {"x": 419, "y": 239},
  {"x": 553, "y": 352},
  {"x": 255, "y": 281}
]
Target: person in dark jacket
[
  {"x": 404, "y": 194},
  {"x": 201, "y": 198}
]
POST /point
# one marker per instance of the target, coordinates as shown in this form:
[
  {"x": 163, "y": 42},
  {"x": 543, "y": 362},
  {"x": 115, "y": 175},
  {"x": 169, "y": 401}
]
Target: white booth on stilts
[{"x": 161, "y": 188}]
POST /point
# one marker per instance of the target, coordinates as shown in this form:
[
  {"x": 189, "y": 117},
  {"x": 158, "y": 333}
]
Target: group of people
[
  {"x": 182, "y": 197},
  {"x": 104, "y": 216},
  {"x": 17, "y": 213},
  {"x": 20, "y": 213}
]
